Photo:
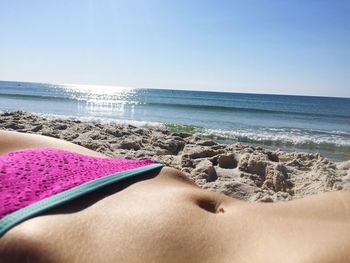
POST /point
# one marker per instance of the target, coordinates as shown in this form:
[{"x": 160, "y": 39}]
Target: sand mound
[{"x": 242, "y": 171}]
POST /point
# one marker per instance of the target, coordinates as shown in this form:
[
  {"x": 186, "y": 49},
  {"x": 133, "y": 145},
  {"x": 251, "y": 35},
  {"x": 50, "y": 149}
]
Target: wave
[
  {"x": 238, "y": 109},
  {"x": 332, "y": 144},
  {"x": 277, "y": 137},
  {"x": 181, "y": 127},
  {"x": 90, "y": 100},
  {"x": 297, "y": 138},
  {"x": 33, "y": 96},
  {"x": 105, "y": 120}
]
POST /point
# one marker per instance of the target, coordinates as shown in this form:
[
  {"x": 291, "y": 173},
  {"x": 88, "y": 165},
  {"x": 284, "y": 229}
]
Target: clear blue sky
[{"x": 261, "y": 46}]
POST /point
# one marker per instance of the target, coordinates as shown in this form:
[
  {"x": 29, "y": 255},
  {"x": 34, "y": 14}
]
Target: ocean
[{"x": 291, "y": 123}]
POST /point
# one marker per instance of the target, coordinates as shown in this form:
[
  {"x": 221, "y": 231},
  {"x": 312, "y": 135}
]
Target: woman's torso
[{"x": 165, "y": 218}]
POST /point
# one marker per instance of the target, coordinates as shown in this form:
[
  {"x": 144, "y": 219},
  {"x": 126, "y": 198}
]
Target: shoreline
[{"x": 238, "y": 170}]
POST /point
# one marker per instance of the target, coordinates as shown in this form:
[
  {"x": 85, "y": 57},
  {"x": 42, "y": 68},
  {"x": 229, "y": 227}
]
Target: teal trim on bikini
[{"x": 37, "y": 208}]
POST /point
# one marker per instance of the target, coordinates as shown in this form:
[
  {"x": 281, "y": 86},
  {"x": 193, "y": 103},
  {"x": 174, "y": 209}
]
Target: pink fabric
[{"x": 28, "y": 176}]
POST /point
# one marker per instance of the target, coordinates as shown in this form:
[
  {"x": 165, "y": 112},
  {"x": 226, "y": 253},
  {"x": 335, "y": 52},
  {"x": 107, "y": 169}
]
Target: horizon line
[{"x": 178, "y": 89}]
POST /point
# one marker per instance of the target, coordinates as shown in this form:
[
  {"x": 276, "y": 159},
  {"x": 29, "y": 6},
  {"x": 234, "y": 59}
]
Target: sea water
[{"x": 301, "y": 123}]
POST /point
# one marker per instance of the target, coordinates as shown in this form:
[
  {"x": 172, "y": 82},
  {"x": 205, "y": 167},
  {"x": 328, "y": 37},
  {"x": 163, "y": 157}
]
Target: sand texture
[{"x": 237, "y": 170}]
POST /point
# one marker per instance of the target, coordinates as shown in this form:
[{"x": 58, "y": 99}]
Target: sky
[{"x": 299, "y": 47}]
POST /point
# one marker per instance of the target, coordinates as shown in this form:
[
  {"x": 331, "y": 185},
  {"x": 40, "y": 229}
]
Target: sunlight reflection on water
[{"x": 102, "y": 98}]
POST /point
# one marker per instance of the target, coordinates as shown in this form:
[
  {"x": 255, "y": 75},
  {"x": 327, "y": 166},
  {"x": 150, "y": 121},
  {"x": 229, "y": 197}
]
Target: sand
[{"x": 242, "y": 171}]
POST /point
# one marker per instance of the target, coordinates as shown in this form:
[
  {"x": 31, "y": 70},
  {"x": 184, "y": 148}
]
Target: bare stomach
[{"x": 164, "y": 218}]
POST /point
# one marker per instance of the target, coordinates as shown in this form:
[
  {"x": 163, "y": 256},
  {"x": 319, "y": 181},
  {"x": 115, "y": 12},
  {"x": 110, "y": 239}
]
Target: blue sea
[{"x": 292, "y": 123}]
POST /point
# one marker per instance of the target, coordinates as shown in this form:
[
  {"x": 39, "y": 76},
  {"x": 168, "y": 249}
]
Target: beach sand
[{"x": 241, "y": 171}]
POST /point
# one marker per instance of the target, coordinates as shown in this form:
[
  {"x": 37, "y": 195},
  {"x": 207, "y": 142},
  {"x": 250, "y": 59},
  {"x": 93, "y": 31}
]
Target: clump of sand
[{"x": 237, "y": 170}]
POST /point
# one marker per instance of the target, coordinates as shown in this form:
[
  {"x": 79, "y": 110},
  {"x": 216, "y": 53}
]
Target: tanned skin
[{"x": 164, "y": 217}]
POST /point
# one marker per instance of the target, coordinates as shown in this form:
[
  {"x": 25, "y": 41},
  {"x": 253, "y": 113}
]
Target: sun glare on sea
[
  {"x": 97, "y": 89},
  {"x": 97, "y": 97}
]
